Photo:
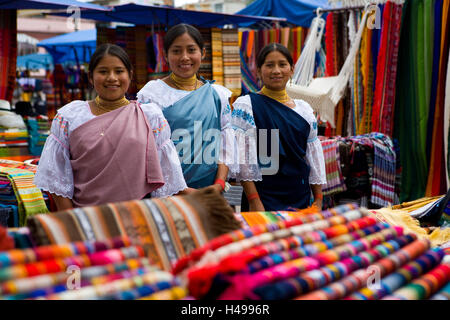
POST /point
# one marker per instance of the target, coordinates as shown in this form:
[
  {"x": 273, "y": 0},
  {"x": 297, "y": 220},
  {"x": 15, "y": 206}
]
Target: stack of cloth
[
  {"x": 20, "y": 194},
  {"x": 217, "y": 56},
  {"x": 38, "y": 131},
  {"x": 346, "y": 254},
  {"x": 9, "y": 215},
  {"x": 13, "y": 142},
  {"x": 231, "y": 61},
  {"x": 98, "y": 270}
]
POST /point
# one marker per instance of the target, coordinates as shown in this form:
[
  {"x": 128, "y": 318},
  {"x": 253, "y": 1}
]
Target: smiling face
[
  {"x": 110, "y": 78},
  {"x": 275, "y": 71},
  {"x": 184, "y": 56}
]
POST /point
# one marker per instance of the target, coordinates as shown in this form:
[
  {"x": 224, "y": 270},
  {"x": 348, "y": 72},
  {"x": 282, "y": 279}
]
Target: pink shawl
[{"x": 114, "y": 158}]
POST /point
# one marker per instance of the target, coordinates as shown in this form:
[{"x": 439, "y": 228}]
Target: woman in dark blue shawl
[{"x": 281, "y": 162}]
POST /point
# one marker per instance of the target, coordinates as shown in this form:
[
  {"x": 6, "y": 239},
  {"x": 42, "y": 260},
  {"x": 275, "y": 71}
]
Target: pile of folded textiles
[
  {"x": 427, "y": 217},
  {"x": 110, "y": 269},
  {"x": 340, "y": 253},
  {"x": 19, "y": 197}
]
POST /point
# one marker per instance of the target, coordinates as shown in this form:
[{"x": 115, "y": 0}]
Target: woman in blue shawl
[
  {"x": 284, "y": 162},
  {"x": 198, "y": 111}
]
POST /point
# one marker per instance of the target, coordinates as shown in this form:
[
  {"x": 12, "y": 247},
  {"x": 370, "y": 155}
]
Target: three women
[{"x": 111, "y": 149}]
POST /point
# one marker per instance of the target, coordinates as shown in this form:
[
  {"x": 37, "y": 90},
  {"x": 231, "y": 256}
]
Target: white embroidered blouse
[
  {"x": 160, "y": 93},
  {"x": 54, "y": 173},
  {"x": 242, "y": 118}
]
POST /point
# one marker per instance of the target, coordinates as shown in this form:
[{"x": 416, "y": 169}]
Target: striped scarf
[{"x": 335, "y": 179}]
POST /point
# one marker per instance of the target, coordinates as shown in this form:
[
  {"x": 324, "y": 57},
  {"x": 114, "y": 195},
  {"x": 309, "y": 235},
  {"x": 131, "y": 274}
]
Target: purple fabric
[{"x": 114, "y": 158}]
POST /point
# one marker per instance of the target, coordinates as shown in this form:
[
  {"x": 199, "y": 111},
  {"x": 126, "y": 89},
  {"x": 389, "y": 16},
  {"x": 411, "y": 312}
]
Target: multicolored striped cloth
[
  {"x": 29, "y": 197},
  {"x": 231, "y": 61},
  {"x": 166, "y": 228},
  {"x": 335, "y": 179},
  {"x": 346, "y": 256},
  {"x": 111, "y": 269}
]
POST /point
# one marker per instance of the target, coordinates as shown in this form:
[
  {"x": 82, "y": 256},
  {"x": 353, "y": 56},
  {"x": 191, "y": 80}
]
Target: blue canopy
[
  {"x": 47, "y": 4},
  {"x": 35, "y": 61},
  {"x": 298, "y": 12},
  {"x": 71, "y": 46},
  {"x": 164, "y": 15}
]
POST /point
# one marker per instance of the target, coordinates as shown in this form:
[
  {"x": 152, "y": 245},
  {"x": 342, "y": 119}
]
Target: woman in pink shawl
[{"x": 109, "y": 149}]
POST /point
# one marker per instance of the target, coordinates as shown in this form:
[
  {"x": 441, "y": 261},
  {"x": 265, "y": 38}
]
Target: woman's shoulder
[
  {"x": 243, "y": 102},
  {"x": 305, "y": 106},
  {"x": 151, "y": 89},
  {"x": 151, "y": 109},
  {"x": 73, "y": 109},
  {"x": 305, "y": 110},
  {"x": 222, "y": 91}
]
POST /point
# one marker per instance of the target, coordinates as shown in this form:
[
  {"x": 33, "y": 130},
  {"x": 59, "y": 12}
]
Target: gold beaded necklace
[
  {"x": 181, "y": 83},
  {"x": 280, "y": 96},
  {"x": 110, "y": 106}
]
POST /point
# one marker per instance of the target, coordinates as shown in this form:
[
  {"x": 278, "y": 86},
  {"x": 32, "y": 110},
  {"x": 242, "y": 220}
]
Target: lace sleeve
[
  {"x": 244, "y": 127},
  {"x": 170, "y": 164},
  {"x": 315, "y": 158},
  {"x": 54, "y": 173}
]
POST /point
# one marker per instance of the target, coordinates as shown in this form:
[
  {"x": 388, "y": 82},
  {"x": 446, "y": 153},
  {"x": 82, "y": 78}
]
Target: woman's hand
[
  {"x": 256, "y": 205},
  {"x": 186, "y": 191}
]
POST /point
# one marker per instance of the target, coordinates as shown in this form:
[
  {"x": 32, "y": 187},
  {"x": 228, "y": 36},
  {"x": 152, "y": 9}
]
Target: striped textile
[
  {"x": 110, "y": 269},
  {"x": 384, "y": 171},
  {"x": 166, "y": 228},
  {"x": 217, "y": 56},
  {"x": 254, "y": 218},
  {"x": 231, "y": 61},
  {"x": 29, "y": 197},
  {"x": 335, "y": 179}
]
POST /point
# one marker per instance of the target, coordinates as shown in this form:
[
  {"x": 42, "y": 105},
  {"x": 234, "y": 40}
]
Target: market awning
[
  {"x": 48, "y": 4},
  {"x": 35, "y": 61},
  {"x": 299, "y": 12},
  {"x": 71, "y": 46},
  {"x": 147, "y": 15}
]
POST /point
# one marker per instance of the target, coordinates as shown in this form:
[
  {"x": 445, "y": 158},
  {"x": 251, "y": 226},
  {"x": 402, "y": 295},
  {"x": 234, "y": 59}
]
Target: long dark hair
[
  {"x": 271, "y": 47},
  {"x": 179, "y": 30},
  {"x": 112, "y": 50}
]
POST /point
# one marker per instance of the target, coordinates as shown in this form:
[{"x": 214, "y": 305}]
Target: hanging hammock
[{"x": 323, "y": 94}]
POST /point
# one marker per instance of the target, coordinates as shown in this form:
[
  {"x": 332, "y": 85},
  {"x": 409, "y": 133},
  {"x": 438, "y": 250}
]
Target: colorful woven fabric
[
  {"x": 217, "y": 56},
  {"x": 294, "y": 226},
  {"x": 85, "y": 270},
  {"x": 401, "y": 277},
  {"x": 29, "y": 197},
  {"x": 167, "y": 228},
  {"x": 425, "y": 286},
  {"x": 24, "y": 256},
  {"x": 335, "y": 179},
  {"x": 231, "y": 61},
  {"x": 383, "y": 182},
  {"x": 359, "y": 278}
]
